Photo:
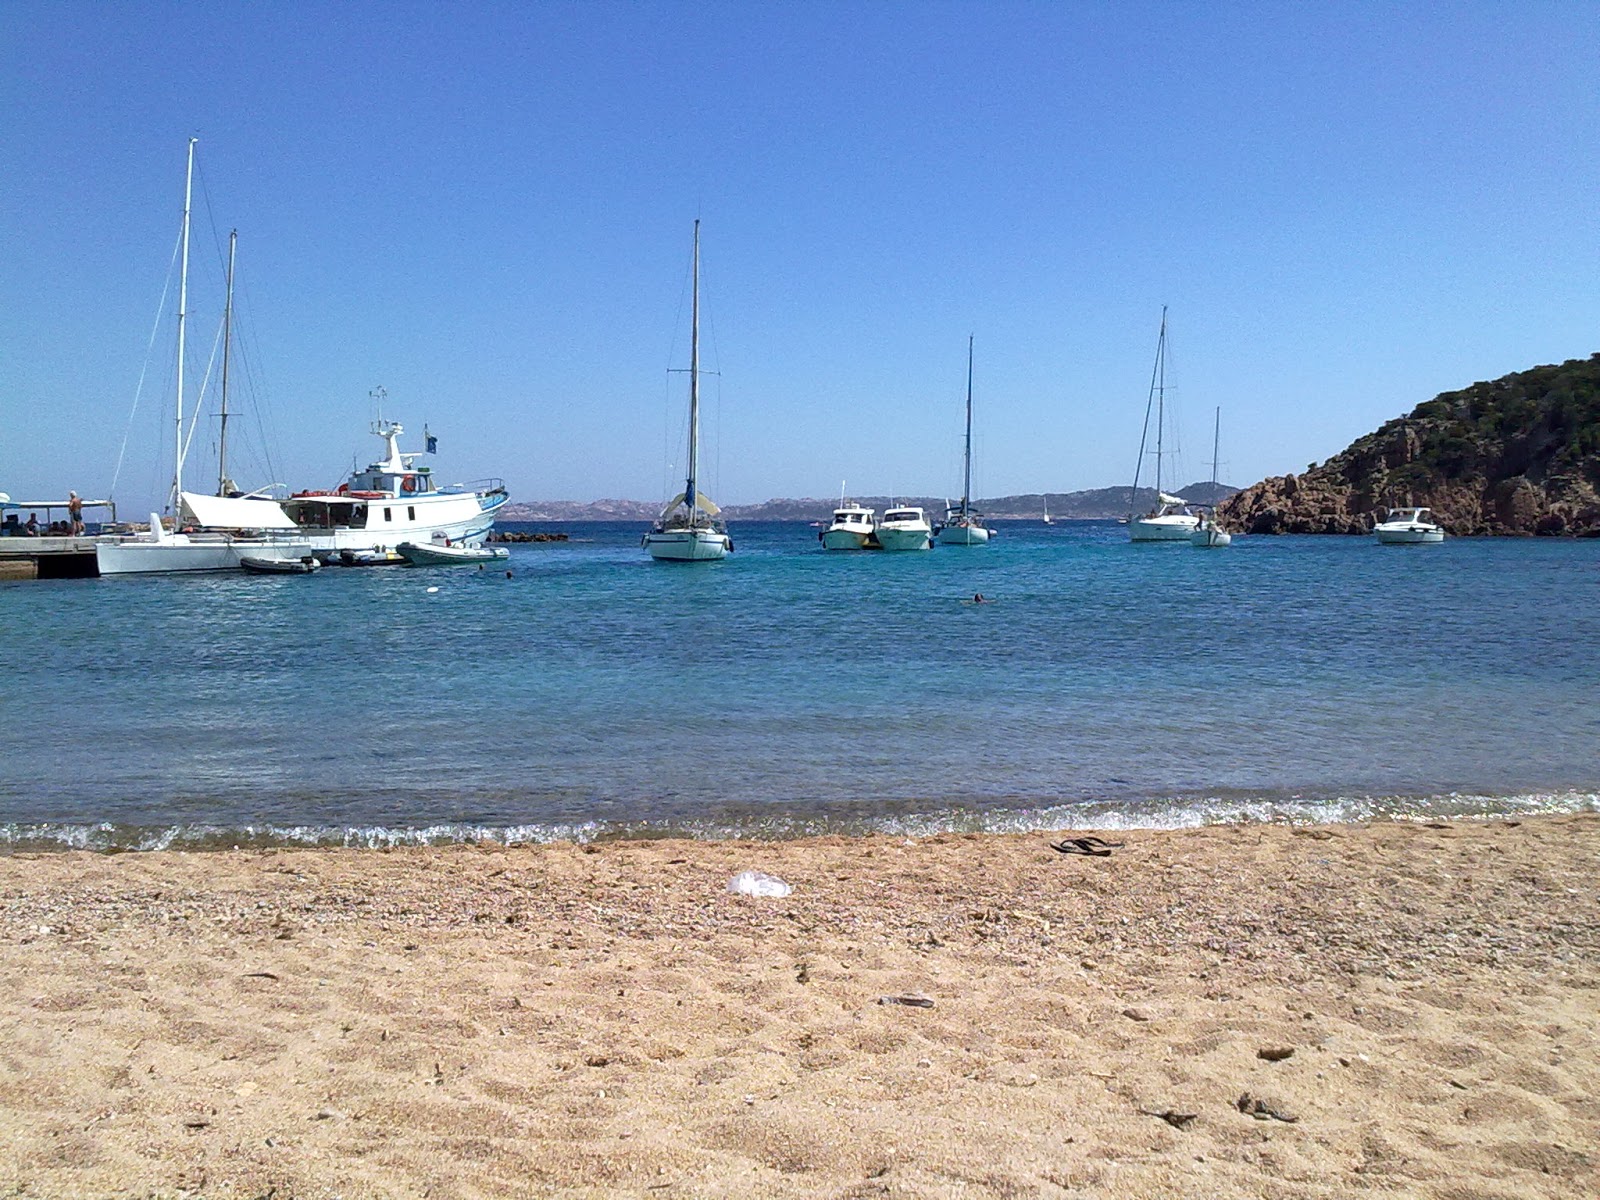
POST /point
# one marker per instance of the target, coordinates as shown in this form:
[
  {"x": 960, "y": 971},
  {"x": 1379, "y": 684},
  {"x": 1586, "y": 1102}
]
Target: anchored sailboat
[
  {"x": 690, "y": 527},
  {"x": 1170, "y": 520},
  {"x": 963, "y": 525}
]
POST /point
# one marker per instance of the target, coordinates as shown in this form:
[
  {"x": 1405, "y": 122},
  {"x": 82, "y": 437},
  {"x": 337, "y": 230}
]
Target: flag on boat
[{"x": 428, "y": 440}]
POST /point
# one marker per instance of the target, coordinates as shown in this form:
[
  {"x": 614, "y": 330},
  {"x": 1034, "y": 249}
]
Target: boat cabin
[{"x": 902, "y": 514}]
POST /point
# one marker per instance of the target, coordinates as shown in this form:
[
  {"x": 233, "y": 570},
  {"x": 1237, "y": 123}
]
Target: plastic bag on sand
[{"x": 758, "y": 883}]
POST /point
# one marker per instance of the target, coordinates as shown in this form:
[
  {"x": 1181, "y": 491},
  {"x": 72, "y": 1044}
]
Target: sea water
[{"x": 582, "y": 690}]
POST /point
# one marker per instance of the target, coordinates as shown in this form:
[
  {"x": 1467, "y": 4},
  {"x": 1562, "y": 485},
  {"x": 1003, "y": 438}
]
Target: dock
[{"x": 48, "y": 558}]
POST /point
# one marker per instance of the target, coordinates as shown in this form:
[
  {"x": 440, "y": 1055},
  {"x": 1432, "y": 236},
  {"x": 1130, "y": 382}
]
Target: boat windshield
[{"x": 903, "y": 514}]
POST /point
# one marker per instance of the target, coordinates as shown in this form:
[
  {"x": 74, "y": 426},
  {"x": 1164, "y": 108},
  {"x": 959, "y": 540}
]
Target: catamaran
[
  {"x": 1171, "y": 519},
  {"x": 963, "y": 525},
  {"x": 690, "y": 527}
]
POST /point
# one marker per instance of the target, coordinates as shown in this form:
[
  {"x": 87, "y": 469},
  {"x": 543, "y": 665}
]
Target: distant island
[
  {"x": 1096, "y": 504},
  {"x": 1518, "y": 455}
]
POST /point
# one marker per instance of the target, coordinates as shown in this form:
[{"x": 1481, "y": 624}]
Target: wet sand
[{"x": 1240, "y": 1011}]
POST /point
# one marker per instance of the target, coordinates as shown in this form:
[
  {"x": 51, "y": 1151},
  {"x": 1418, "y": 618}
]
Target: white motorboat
[
  {"x": 963, "y": 525},
  {"x": 905, "y": 529},
  {"x": 1171, "y": 520},
  {"x": 690, "y": 528},
  {"x": 1408, "y": 527},
  {"x": 444, "y": 553},
  {"x": 1208, "y": 535},
  {"x": 853, "y": 528}
]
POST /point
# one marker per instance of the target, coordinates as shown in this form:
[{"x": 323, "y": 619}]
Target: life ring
[
  {"x": 343, "y": 488},
  {"x": 408, "y": 484}
]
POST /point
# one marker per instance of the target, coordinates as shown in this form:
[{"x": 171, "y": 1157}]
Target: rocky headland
[{"x": 1518, "y": 455}]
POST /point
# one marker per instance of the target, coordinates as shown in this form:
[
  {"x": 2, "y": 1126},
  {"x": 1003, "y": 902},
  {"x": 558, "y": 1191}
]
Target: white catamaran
[
  {"x": 1171, "y": 519},
  {"x": 963, "y": 525},
  {"x": 690, "y": 527},
  {"x": 257, "y": 529}
]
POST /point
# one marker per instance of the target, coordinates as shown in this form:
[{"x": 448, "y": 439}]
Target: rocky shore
[{"x": 1520, "y": 455}]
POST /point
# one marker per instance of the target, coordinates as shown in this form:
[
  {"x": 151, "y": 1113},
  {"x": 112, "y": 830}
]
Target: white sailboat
[
  {"x": 1048, "y": 519},
  {"x": 1171, "y": 519},
  {"x": 1208, "y": 535},
  {"x": 690, "y": 527},
  {"x": 257, "y": 529},
  {"x": 963, "y": 525}
]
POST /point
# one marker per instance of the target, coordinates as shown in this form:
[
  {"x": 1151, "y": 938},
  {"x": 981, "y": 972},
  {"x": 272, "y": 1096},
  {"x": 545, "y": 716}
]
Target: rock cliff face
[{"x": 1519, "y": 455}]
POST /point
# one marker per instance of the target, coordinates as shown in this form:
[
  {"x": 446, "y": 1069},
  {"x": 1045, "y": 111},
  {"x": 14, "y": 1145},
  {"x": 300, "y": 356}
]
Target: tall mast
[
  {"x": 690, "y": 495},
  {"x": 227, "y": 347},
  {"x": 183, "y": 311},
  {"x": 1216, "y": 439},
  {"x": 1161, "y": 397},
  {"x": 966, "y": 475}
]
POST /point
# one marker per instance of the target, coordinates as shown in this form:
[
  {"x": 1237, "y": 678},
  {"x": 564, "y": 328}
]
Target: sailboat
[
  {"x": 1048, "y": 519},
  {"x": 963, "y": 524},
  {"x": 1170, "y": 520},
  {"x": 690, "y": 527},
  {"x": 258, "y": 529},
  {"x": 1208, "y": 535}
]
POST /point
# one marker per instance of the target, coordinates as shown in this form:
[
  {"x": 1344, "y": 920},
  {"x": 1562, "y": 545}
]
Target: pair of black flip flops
[{"x": 1092, "y": 846}]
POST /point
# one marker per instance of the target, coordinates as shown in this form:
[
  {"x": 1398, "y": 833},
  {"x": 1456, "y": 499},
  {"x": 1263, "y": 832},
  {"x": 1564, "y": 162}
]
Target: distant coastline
[{"x": 1097, "y": 504}]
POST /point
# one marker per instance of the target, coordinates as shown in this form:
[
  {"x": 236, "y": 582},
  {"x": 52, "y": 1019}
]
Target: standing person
[{"x": 75, "y": 511}]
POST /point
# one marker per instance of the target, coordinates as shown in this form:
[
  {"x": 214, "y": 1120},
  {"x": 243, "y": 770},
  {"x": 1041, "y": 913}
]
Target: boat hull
[
  {"x": 419, "y": 555},
  {"x": 846, "y": 539},
  {"x": 1172, "y": 528},
  {"x": 963, "y": 535},
  {"x": 687, "y": 545},
  {"x": 1210, "y": 539},
  {"x": 905, "y": 539},
  {"x": 178, "y": 553},
  {"x": 1408, "y": 537}
]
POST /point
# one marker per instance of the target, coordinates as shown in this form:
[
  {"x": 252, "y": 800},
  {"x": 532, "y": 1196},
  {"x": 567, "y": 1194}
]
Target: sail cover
[
  {"x": 705, "y": 504},
  {"x": 234, "y": 512},
  {"x": 1166, "y": 499}
]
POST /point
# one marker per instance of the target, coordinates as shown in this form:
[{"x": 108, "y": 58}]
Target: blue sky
[{"x": 486, "y": 209}]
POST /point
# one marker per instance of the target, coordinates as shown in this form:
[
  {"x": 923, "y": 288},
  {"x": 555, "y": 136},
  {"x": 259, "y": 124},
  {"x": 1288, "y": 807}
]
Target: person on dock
[{"x": 75, "y": 513}]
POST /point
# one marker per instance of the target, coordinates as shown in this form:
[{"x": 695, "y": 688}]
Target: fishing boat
[
  {"x": 905, "y": 528},
  {"x": 1171, "y": 520},
  {"x": 963, "y": 525},
  {"x": 303, "y": 565},
  {"x": 394, "y": 500},
  {"x": 444, "y": 553},
  {"x": 853, "y": 527},
  {"x": 1408, "y": 527},
  {"x": 690, "y": 527}
]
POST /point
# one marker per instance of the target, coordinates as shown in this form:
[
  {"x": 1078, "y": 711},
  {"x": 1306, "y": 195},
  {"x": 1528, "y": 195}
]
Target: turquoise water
[{"x": 789, "y": 690}]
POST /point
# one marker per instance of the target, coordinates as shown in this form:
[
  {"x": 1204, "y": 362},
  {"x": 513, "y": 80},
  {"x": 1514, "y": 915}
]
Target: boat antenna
[
  {"x": 183, "y": 311},
  {"x": 223, "y": 481}
]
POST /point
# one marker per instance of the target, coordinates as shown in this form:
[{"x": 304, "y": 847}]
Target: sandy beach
[{"x": 1236, "y": 1011}]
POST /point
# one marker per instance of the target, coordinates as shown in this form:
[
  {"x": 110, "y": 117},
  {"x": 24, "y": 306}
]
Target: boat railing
[{"x": 474, "y": 487}]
